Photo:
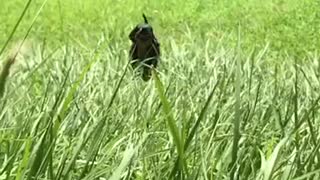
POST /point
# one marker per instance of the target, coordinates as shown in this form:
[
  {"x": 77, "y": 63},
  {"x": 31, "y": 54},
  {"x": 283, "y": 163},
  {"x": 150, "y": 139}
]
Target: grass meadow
[{"x": 236, "y": 95}]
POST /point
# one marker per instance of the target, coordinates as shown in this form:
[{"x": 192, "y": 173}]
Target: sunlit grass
[{"x": 223, "y": 101}]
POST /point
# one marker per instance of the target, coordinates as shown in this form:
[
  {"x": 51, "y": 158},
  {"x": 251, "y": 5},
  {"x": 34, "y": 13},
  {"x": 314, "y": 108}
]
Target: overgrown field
[{"x": 236, "y": 95}]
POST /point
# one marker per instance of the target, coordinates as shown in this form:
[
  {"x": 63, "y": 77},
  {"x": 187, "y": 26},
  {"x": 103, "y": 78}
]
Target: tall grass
[{"x": 74, "y": 110}]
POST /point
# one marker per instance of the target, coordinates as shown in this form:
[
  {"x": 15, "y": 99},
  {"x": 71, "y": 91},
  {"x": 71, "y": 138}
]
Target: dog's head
[{"x": 142, "y": 33}]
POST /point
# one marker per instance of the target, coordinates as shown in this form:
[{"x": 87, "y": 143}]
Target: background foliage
[{"x": 236, "y": 95}]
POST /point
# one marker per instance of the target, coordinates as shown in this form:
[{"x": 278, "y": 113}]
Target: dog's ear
[
  {"x": 133, "y": 34},
  {"x": 145, "y": 18}
]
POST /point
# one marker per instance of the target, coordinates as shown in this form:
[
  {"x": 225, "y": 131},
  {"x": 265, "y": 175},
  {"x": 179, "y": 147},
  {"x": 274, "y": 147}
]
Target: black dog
[{"x": 145, "y": 49}]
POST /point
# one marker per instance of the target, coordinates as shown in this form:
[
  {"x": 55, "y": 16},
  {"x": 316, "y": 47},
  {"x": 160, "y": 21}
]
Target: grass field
[{"x": 236, "y": 95}]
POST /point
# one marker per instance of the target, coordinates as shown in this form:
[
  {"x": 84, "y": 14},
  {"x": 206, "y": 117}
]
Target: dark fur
[{"x": 145, "y": 49}]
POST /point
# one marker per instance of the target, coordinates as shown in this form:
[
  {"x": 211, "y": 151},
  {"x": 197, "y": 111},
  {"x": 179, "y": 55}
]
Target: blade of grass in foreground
[
  {"x": 201, "y": 116},
  {"x": 16, "y": 26},
  {"x": 296, "y": 117},
  {"x": 40, "y": 159},
  {"x": 11, "y": 59},
  {"x": 268, "y": 166},
  {"x": 99, "y": 134},
  {"x": 308, "y": 175},
  {"x": 4, "y": 75},
  {"x": 68, "y": 100},
  {"x": 196, "y": 125},
  {"x": 69, "y": 97},
  {"x": 23, "y": 165},
  {"x": 173, "y": 129},
  {"x": 127, "y": 158},
  {"x": 9, "y": 62},
  {"x": 236, "y": 121}
]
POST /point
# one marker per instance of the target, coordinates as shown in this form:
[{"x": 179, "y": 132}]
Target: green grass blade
[
  {"x": 70, "y": 95},
  {"x": 6, "y": 69},
  {"x": 201, "y": 117},
  {"x": 4, "y": 75},
  {"x": 269, "y": 166},
  {"x": 24, "y": 162},
  {"x": 308, "y": 175},
  {"x": 237, "y": 116},
  {"x": 127, "y": 158},
  {"x": 15, "y": 27},
  {"x": 173, "y": 129},
  {"x": 196, "y": 125}
]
